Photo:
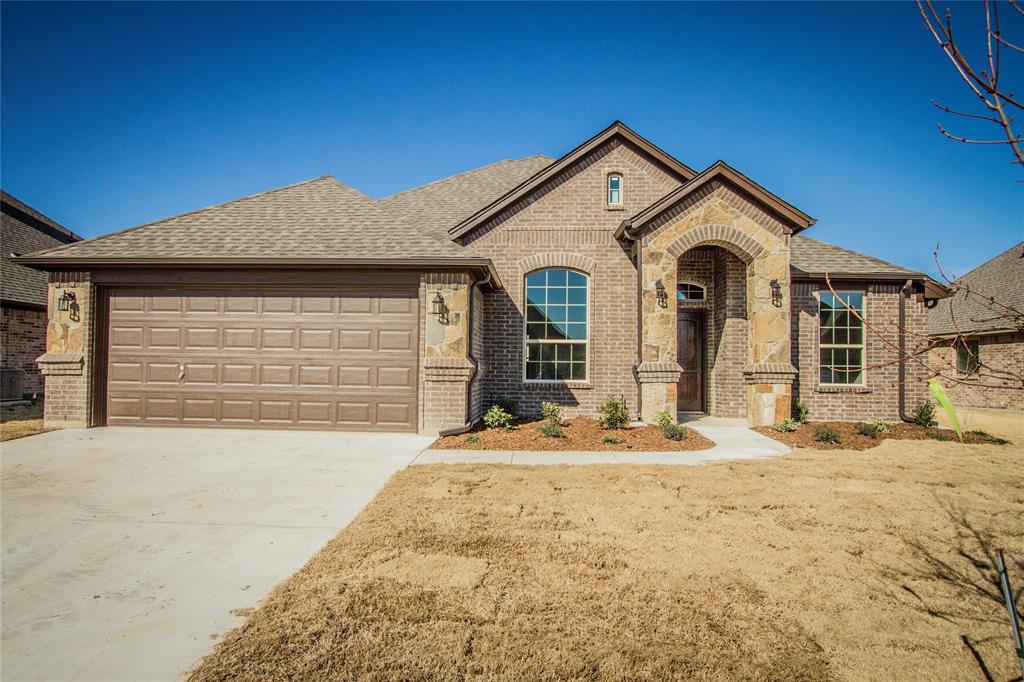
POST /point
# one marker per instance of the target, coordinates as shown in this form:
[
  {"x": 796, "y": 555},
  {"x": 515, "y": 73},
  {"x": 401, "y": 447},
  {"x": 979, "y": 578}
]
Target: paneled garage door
[{"x": 342, "y": 359}]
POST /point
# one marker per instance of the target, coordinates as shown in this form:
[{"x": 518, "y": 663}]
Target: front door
[{"x": 690, "y": 337}]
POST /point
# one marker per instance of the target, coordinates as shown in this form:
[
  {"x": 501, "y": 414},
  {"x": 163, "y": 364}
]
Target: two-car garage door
[{"x": 339, "y": 359}]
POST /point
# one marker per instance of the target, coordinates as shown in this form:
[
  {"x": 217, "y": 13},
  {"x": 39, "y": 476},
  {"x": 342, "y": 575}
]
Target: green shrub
[
  {"x": 551, "y": 411},
  {"x": 787, "y": 426},
  {"x": 472, "y": 439},
  {"x": 614, "y": 414},
  {"x": 924, "y": 414},
  {"x": 498, "y": 418},
  {"x": 801, "y": 412},
  {"x": 936, "y": 434},
  {"x": 550, "y": 429},
  {"x": 827, "y": 434},
  {"x": 881, "y": 426},
  {"x": 613, "y": 440},
  {"x": 670, "y": 428},
  {"x": 509, "y": 405},
  {"x": 989, "y": 438}
]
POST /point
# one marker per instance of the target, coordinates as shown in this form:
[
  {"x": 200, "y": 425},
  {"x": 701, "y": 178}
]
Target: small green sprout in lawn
[
  {"x": 787, "y": 426},
  {"x": 827, "y": 434}
]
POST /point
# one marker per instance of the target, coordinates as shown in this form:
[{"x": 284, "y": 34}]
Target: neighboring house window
[
  {"x": 615, "y": 189},
  {"x": 841, "y": 340},
  {"x": 690, "y": 292},
  {"x": 967, "y": 358},
  {"x": 556, "y": 325}
]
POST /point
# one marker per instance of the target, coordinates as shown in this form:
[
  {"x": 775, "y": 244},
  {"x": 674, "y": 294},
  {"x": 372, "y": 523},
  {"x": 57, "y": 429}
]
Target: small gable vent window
[
  {"x": 690, "y": 292},
  {"x": 615, "y": 189}
]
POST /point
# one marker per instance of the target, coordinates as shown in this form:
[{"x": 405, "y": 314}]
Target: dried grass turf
[
  {"x": 578, "y": 434},
  {"x": 18, "y": 421},
  {"x": 872, "y": 565}
]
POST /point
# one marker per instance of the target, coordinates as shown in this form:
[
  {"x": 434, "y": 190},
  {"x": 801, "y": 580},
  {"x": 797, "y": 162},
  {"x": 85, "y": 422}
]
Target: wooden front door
[{"x": 690, "y": 338}]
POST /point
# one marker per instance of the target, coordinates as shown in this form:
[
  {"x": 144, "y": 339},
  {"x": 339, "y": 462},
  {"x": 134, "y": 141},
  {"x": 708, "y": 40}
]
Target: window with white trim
[
  {"x": 841, "y": 338},
  {"x": 556, "y": 325},
  {"x": 615, "y": 189}
]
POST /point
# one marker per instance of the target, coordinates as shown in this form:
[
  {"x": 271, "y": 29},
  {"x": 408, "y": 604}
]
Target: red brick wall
[
  {"x": 878, "y": 399},
  {"x": 22, "y": 340},
  {"x": 570, "y": 216},
  {"x": 997, "y": 352}
]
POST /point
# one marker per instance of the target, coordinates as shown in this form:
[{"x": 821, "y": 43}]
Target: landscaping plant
[
  {"x": 881, "y": 426},
  {"x": 873, "y": 429},
  {"x": 801, "y": 412},
  {"x": 614, "y": 414},
  {"x": 670, "y": 428},
  {"x": 787, "y": 426},
  {"x": 498, "y": 418},
  {"x": 472, "y": 439},
  {"x": 550, "y": 429},
  {"x": 509, "y": 405},
  {"x": 612, "y": 440},
  {"x": 552, "y": 426},
  {"x": 827, "y": 434},
  {"x": 924, "y": 414}
]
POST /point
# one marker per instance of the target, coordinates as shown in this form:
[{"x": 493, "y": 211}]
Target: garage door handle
[{"x": 181, "y": 372}]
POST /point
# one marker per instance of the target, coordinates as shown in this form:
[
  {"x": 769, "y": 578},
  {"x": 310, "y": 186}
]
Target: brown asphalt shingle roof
[
  {"x": 24, "y": 230},
  {"x": 969, "y": 311},
  {"x": 812, "y": 257}
]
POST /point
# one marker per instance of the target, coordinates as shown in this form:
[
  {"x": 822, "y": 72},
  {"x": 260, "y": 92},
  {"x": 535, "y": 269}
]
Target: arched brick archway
[{"x": 741, "y": 244}]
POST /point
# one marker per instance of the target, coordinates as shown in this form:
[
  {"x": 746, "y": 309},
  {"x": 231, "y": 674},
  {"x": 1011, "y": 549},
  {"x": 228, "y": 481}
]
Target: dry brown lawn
[
  {"x": 18, "y": 421},
  {"x": 866, "y": 565}
]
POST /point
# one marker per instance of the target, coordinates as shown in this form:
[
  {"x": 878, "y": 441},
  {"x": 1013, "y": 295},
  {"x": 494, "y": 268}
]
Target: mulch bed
[
  {"x": 804, "y": 436},
  {"x": 579, "y": 433}
]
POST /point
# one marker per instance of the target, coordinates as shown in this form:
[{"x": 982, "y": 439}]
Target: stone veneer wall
[
  {"x": 879, "y": 398},
  {"x": 22, "y": 340},
  {"x": 568, "y": 223},
  {"x": 67, "y": 363},
  {"x": 998, "y": 351},
  {"x": 445, "y": 368}
]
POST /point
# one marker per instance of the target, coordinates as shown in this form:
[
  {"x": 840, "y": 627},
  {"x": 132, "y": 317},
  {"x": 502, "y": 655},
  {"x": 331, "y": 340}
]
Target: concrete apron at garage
[{"x": 127, "y": 552}]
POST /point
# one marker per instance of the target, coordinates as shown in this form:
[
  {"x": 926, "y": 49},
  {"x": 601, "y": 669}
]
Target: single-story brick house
[
  {"x": 978, "y": 334},
  {"x": 23, "y": 292},
  {"x": 615, "y": 270}
]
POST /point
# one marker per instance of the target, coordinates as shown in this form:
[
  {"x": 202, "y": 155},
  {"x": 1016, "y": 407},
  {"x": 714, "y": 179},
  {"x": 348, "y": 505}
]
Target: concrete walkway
[
  {"x": 128, "y": 552},
  {"x": 733, "y": 441}
]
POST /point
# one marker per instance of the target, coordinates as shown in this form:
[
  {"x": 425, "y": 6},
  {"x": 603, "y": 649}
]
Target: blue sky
[{"x": 117, "y": 114}]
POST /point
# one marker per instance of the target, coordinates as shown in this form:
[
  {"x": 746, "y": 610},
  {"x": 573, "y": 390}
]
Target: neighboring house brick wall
[
  {"x": 22, "y": 340},
  {"x": 569, "y": 216},
  {"x": 879, "y": 398},
  {"x": 997, "y": 352}
]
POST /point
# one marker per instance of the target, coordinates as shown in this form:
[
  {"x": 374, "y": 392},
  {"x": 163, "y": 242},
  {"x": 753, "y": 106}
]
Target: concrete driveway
[{"x": 128, "y": 552}]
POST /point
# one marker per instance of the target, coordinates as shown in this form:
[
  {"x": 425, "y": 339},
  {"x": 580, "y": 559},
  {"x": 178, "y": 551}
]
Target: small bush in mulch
[
  {"x": 614, "y": 414},
  {"x": 497, "y": 418},
  {"x": 579, "y": 434},
  {"x": 508, "y": 405},
  {"x": 827, "y": 434},
  {"x": 787, "y": 426},
  {"x": 669, "y": 427},
  {"x": 861, "y": 436},
  {"x": 924, "y": 414},
  {"x": 550, "y": 429},
  {"x": 801, "y": 412}
]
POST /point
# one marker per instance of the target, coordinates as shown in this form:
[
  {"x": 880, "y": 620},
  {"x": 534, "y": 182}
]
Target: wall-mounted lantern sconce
[
  {"x": 65, "y": 301},
  {"x": 776, "y": 293},
  {"x": 437, "y": 307},
  {"x": 659, "y": 288}
]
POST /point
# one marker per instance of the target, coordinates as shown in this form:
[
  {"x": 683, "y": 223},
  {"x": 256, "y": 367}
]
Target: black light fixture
[
  {"x": 437, "y": 305},
  {"x": 659, "y": 287},
  {"x": 66, "y": 300},
  {"x": 776, "y": 293}
]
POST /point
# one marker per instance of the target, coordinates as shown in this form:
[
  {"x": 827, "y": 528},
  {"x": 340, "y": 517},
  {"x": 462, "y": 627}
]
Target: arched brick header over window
[
  {"x": 557, "y": 259},
  {"x": 745, "y": 247}
]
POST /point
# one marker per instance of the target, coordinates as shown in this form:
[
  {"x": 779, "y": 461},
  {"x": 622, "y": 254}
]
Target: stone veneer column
[
  {"x": 67, "y": 363},
  {"x": 447, "y": 368},
  {"x": 769, "y": 373},
  {"x": 658, "y": 371}
]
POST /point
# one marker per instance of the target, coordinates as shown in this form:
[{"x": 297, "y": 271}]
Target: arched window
[
  {"x": 614, "y": 189},
  {"x": 690, "y": 292},
  {"x": 556, "y": 325}
]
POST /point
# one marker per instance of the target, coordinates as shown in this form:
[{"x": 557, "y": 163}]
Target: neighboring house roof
[
  {"x": 971, "y": 310},
  {"x": 812, "y": 258},
  {"x": 616, "y": 129},
  {"x": 720, "y": 170},
  {"x": 437, "y": 206},
  {"x": 24, "y": 230},
  {"x": 320, "y": 219}
]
